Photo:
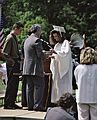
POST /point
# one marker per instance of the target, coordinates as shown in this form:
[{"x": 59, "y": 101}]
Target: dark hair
[
  {"x": 17, "y": 25},
  {"x": 66, "y": 101},
  {"x": 61, "y": 35}
]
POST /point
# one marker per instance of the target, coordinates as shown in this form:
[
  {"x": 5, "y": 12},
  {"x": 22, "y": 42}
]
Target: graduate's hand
[
  {"x": 52, "y": 56},
  {"x": 52, "y": 51}
]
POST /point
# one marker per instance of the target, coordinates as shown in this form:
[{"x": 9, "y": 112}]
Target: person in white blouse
[
  {"x": 86, "y": 79},
  {"x": 60, "y": 66}
]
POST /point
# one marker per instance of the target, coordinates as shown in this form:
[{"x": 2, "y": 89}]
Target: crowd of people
[{"x": 66, "y": 106}]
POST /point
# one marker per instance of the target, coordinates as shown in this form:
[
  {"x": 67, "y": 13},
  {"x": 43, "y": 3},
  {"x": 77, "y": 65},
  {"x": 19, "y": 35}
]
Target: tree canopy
[{"x": 74, "y": 15}]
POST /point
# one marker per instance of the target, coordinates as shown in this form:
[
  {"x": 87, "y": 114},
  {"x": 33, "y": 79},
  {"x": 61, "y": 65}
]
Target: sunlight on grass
[{"x": 2, "y": 86}]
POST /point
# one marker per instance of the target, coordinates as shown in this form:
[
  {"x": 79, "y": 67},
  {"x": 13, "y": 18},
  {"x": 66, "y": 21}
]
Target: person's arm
[
  {"x": 39, "y": 48},
  {"x": 65, "y": 48},
  {"x": 7, "y": 49},
  {"x": 76, "y": 73},
  {"x": 7, "y": 46}
]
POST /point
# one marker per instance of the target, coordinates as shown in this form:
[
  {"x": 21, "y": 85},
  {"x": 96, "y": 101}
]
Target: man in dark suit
[
  {"x": 12, "y": 57},
  {"x": 33, "y": 68}
]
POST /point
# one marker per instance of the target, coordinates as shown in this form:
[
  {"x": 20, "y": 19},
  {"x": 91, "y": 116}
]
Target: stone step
[{"x": 21, "y": 115}]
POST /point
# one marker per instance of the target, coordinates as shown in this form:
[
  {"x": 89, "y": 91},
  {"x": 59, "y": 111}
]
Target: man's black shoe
[
  {"x": 30, "y": 109},
  {"x": 17, "y": 107}
]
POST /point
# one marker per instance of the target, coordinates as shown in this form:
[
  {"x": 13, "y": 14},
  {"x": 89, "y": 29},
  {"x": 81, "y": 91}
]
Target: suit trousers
[
  {"x": 87, "y": 111},
  {"x": 24, "y": 91},
  {"x": 35, "y": 92},
  {"x": 12, "y": 85}
]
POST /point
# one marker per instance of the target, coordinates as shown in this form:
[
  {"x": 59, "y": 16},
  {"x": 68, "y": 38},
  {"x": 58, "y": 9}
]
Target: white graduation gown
[{"x": 61, "y": 68}]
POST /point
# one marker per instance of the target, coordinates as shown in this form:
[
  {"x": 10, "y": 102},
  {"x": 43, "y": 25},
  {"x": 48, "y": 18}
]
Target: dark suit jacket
[
  {"x": 57, "y": 113},
  {"x": 11, "y": 46},
  {"x": 33, "y": 60},
  {"x": 11, "y": 54}
]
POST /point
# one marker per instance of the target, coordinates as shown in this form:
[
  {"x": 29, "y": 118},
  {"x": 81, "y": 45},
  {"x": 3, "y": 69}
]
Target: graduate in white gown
[{"x": 61, "y": 65}]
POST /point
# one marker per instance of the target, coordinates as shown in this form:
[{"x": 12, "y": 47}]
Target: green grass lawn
[
  {"x": 2, "y": 86},
  {"x": 2, "y": 90}
]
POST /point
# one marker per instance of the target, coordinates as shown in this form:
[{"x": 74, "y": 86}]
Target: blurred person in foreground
[
  {"x": 3, "y": 71},
  {"x": 33, "y": 68},
  {"x": 12, "y": 57},
  {"x": 86, "y": 79},
  {"x": 61, "y": 65},
  {"x": 65, "y": 109}
]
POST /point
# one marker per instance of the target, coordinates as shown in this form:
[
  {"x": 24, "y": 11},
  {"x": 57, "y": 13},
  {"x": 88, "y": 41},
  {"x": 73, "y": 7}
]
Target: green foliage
[
  {"x": 38, "y": 20},
  {"x": 75, "y": 15},
  {"x": 2, "y": 86}
]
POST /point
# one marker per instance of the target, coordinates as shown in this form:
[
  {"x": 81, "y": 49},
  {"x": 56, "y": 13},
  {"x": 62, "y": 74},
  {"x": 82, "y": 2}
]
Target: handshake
[{"x": 50, "y": 53}]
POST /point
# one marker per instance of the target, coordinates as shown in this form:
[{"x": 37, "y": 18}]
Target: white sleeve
[{"x": 64, "y": 58}]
